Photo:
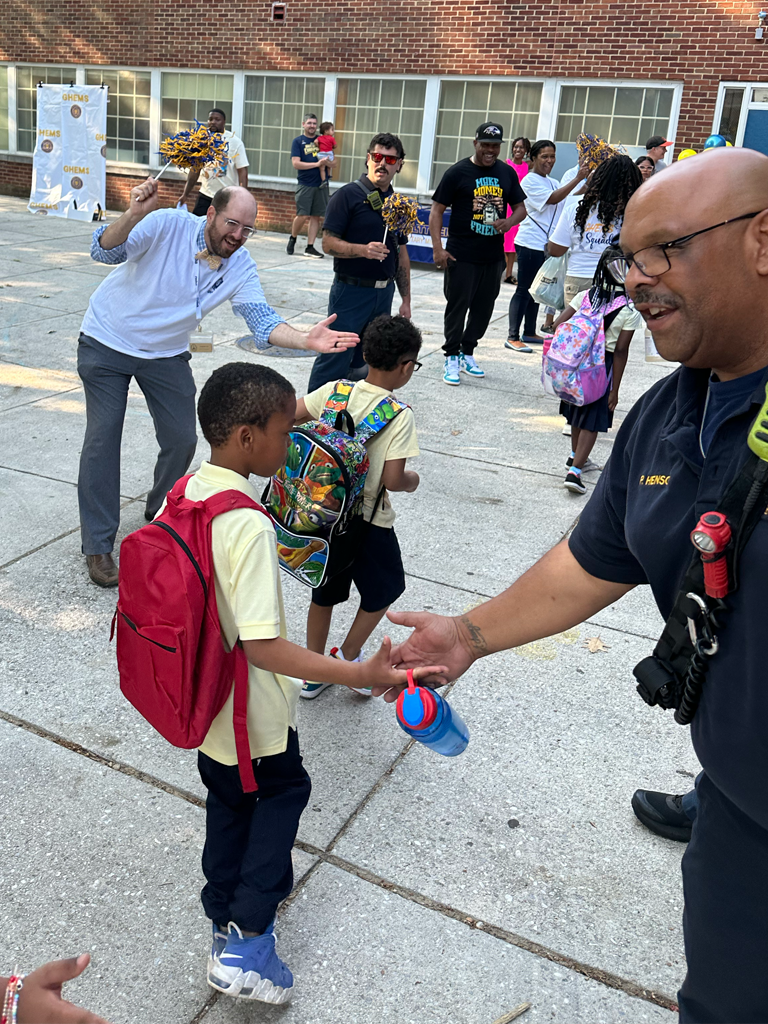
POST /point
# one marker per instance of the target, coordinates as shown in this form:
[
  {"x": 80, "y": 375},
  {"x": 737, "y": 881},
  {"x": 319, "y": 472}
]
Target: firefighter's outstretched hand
[{"x": 378, "y": 673}]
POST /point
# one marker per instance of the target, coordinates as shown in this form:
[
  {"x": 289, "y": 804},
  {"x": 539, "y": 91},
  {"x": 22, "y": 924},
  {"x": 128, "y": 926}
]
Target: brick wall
[
  {"x": 698, "y": 42},
  {"x": 276, "y": 208}
]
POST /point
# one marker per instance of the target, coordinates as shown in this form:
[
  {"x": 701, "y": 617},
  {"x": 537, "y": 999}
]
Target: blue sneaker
[
  {"x": 311, "y": 690},
  {"x": 468, "y": 364},
  {"x": 249, "y": 968},
  {"x": 451, "y": 370},
  {"x": 217, "y": 945}
]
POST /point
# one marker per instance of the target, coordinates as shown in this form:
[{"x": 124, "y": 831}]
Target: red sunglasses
[{"x": 378, "y": 157}]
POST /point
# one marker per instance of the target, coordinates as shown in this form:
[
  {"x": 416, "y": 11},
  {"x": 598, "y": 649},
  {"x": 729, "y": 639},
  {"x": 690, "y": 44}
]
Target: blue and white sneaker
[
  {"x": 468, "y": 364},
  {"x": 217, "y": 945},
  {"x": 311, "y": 690},
  {"x": 364, "y": 691},
  {"x": 249, "y": 968},
  {"x": 451, "y": 370}
]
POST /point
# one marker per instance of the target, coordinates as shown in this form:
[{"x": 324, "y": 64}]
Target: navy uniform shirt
[
  {"x": 635, "y": 529},
  {"x": 352, "y": 218},
  {"x": 308, "y": 151}
]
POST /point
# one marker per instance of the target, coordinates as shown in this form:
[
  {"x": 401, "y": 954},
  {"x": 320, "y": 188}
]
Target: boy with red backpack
[
  {"x": 598, "y": 325},
  {"x": 246, "y": 413}
]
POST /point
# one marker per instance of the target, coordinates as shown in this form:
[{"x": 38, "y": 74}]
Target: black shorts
[{"x": 377, "y": 572}]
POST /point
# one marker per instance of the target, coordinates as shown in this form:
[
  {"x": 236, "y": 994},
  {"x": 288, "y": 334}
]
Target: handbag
[{"x": 548, "y": 287}]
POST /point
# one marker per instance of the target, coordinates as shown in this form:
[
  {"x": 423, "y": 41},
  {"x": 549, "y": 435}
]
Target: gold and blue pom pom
[
  {"x": 195, "y": 147},
  {"x": 400, "y": 213}
]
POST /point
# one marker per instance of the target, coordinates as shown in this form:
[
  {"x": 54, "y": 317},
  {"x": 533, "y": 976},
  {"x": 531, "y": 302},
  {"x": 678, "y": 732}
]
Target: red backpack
[{"x": 173, "y": 665}]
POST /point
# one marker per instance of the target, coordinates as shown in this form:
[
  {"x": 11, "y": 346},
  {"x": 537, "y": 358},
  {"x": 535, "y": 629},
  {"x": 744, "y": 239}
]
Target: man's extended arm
[
  {"x": 189, "y": 184},
  {"x": 336, "y": 246},
  {"x": 144, "y": 200},
  {"x": 555, "y": 594},
  {"x": 439, "y": 254}
]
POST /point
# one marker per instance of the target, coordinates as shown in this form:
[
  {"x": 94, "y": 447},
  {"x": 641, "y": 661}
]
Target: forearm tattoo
[
  {"x": 403, "y": 281},
  {"x": 336, "y": 250},
  {"x": 476, "y": 638}
]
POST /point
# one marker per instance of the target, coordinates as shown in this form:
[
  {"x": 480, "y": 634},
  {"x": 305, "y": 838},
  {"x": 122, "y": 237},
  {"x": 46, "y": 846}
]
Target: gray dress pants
[{"x": 169, "y": 389}]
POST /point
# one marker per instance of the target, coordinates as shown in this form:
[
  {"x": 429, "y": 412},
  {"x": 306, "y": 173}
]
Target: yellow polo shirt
[{"x": 250, "y": 601}]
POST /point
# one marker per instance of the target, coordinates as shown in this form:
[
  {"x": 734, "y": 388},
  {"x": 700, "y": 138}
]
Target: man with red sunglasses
[{"x": 366, "y": 268}]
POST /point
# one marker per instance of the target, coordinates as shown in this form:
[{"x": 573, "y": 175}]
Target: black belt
[{"x": 364, "y": 282}]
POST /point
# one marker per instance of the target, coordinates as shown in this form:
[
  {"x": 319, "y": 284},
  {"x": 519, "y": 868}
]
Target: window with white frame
[
  {"x": 626, "y": 115},
  {"x": 3, "y": 107},
  {"x": 275, "y": 106},
  {"x": 188, "y": 97},
  {"x": 27, "y": 78},
  {"x": 367, "y": 106},
  {"x": 463, "y": 106},
  {"x": 127, "y": 112},
  {"x": 730, "y": 115}
]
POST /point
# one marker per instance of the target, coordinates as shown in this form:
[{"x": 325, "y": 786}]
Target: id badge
[{"x": 200, "y": 342}]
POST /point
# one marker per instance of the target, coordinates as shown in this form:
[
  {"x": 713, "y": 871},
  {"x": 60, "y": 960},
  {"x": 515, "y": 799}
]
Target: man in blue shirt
[
  {"x": 311, "y": 191},
  {"x": 674, "y": 458},
  {"x": 366, "y": 267},
  {"x": 174, "y": 269}
]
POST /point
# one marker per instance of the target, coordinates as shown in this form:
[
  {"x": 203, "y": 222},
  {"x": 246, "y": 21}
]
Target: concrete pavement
[{"x": 428, "y": 890}]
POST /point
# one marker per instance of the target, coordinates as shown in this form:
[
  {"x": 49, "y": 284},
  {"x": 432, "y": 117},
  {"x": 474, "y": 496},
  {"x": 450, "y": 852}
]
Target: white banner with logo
[{"x": 69, "y": 171}]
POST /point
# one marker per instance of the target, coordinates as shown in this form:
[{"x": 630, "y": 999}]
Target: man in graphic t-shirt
[
  {"x": 478, "y": 190},
  {"x": 311, "y": 191}
]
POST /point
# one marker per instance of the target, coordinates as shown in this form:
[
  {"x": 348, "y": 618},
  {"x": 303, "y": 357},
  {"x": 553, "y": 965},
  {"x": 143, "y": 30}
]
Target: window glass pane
[
  {"x": 365, "y": 107},
  {"x": 189, "y": 96},
  {"x": 729, "y": 119},
  {"x": 624, "y": 116},
  {"x": 26, "y": 99},
  {"x": 128, "y": 132},
  {"x": 3, "y": 108},
  {"x": 463, "y": 106},
  {"x": 269, "y": 127}
]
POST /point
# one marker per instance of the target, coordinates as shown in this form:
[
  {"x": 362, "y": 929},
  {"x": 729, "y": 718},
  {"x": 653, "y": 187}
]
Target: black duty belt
[{"x": 364, "y": 282}]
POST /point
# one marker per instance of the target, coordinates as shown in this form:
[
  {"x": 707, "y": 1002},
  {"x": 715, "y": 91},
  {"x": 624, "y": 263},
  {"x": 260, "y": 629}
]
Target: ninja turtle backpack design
[{"x": 316, "y": 497}]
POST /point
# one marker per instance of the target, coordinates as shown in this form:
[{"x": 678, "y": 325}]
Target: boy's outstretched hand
[
  {"x": 40, "y": 999},
  {"x": 379, "y": 674}
]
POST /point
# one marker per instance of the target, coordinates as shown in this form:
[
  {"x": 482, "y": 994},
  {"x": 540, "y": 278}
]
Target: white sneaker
[
  {"x": 468, "y": 364},
  {"x": 364, "y": 691},
  {"x": 451, "y": 370}
]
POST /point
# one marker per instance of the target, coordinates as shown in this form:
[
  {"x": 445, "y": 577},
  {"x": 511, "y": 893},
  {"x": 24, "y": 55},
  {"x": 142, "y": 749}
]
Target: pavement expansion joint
[
  {"x": 325, "y": 856},
  {"x": 41, "y": 398},
  {"x": 40, "y": 476},
  {"x": 492, "y": 462}
]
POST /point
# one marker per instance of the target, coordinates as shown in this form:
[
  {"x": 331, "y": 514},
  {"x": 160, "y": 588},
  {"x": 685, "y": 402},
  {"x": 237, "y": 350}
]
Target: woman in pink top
[{"x": 519, "y": 163}]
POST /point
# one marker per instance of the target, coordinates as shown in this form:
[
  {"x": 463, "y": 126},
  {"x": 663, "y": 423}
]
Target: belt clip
[{"x": 708, "y": 644}]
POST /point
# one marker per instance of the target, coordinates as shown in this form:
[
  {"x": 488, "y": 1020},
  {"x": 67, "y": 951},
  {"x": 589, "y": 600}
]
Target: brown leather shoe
[{"x": 102, "y": 570}]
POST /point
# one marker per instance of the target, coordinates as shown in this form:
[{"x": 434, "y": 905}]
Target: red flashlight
[{"x": 711, "y": 538}]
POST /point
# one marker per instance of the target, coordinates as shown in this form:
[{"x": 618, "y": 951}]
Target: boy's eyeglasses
[
  {"x": 655, "y": 258},
  {"x": 233, "y": 225},
  {"x": 378, "y": 157},
  {"x": 416, "y": 364}
]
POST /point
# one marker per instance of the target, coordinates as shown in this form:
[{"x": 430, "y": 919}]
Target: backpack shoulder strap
[
  {"x": 227, "y": 501},
  {"x": 378, "y": 418}
]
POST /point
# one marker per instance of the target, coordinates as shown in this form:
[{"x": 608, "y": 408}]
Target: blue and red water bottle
[{"x": 429, "y": 718}]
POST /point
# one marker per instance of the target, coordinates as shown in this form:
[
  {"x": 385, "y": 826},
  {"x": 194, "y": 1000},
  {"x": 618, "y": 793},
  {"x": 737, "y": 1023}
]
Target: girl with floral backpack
[{"x": 585, "y": 363}]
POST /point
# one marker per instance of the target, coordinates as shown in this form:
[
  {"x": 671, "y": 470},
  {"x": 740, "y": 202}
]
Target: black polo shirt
[
  {"x": 352, "y": 218},
  {"x": 635, "y": 529}
]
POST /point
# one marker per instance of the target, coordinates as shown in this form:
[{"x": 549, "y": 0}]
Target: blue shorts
[{"x": 377, "y": 572}]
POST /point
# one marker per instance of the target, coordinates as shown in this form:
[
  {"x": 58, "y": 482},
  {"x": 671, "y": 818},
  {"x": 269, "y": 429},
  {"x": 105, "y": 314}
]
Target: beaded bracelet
[{"x": 11, "y": 1001}]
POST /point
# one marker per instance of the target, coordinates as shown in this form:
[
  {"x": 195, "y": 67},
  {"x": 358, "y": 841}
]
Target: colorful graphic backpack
[
  {"x": 574, "y": 365},
  {"x": 316, "y": 498}
]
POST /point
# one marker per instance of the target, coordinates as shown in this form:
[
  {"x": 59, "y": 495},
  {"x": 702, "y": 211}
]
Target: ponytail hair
[
  {"x": 537, "y": 147},
  {"x": 605, "y": 287}
]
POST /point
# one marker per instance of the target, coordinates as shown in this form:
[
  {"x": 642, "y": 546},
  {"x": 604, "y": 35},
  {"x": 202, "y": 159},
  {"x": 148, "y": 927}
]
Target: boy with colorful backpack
[
  {"x": 584, "y": 364},
  {"x": 248, "y": 754},
  {"x": 391, "y": 347}
]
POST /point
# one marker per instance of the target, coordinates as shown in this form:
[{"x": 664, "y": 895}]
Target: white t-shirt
[
  {"x": 569, "y": 175},
  {"x": 627, "y": 319},
  {"x": 584, "y": 250},
  {"x": 212, "y": 179},
  {"x": 535, "y": 230}
]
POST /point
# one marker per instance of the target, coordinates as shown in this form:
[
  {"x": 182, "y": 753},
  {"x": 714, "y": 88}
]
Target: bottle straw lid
[{"x": 416, "y": 706}]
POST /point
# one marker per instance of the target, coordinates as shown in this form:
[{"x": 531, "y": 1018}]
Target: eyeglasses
[
  {"x": 655, "y": 262},
  {"x": 233, "y": 225},
  {"x": 416, "y": 364},
  {"x": 378, "y": 157}
]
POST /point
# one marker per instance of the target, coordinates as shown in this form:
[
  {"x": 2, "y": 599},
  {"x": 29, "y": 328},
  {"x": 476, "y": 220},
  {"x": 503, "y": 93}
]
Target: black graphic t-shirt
[{"x": 477, "y": 196}]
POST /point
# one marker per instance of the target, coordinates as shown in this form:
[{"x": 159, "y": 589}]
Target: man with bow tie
[{"x": 174, "y": 269}]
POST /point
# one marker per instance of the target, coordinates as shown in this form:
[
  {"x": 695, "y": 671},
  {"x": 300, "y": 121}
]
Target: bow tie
[{"x": 214, "y": 262}]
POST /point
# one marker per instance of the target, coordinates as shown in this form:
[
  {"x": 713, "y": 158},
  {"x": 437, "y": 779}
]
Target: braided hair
[
  {"x": 609, "y": 188},
  {"x": 605, "y": 287}
]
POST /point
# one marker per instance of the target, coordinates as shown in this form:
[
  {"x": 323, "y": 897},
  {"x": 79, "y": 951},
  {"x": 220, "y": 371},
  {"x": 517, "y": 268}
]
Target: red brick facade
[{"x": 698, "y": 43}]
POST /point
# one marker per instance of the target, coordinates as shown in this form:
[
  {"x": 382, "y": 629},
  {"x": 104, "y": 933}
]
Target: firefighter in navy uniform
[{"x": 694, "y": 255}]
